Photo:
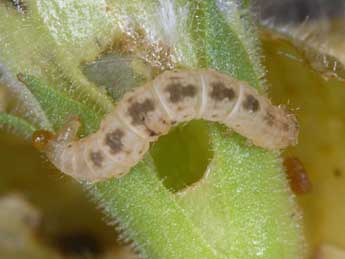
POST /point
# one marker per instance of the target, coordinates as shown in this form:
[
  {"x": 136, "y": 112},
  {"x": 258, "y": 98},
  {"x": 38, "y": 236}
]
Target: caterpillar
[{"x": 149, "y": 111}]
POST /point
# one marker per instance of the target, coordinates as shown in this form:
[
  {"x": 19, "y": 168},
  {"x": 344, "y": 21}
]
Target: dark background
[{"x": 296, "y": 11}]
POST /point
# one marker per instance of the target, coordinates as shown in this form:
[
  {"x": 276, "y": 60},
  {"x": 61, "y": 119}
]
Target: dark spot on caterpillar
[
  {"x": 19, "y": 5},
  {"x": 41, "y": 138},
  {"x": 178, "y": 92},
  {"x": 269, "y": 118},
  {"x": 221, "y": 92},
  {"x": 138, "y": 111},
  {"x": 151, "y": 133},
  {"x": 297, "y": 175},
  {"x": 163, "y": 121},
  {"x": 251, "y": 103},
  {"x": 113, "y": 140},
  {"x": 97, "y": 158}
]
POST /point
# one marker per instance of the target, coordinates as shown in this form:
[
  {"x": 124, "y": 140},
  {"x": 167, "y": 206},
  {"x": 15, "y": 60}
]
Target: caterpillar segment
[{"x": 150, "y": 111}]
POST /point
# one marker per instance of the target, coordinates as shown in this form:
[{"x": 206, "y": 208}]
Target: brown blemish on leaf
[
  {"x": 220, "y": 92},
  {"x": 178, "y": 92},
  {"x": 137, "y": 111},
  {"x": 114, "y": 140},
  {"x": 251, "y": 103}
]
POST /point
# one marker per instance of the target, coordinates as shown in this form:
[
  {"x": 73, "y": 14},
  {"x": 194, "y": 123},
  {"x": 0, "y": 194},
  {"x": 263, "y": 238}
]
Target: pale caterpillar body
[{"x": 151, "y": 110}]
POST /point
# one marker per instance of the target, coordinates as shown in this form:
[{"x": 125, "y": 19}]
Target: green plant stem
[
  {"x": 16, "y": 125},
  {"x": 162, "y": 230}
]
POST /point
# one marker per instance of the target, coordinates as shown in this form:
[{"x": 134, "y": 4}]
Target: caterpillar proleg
[{"x": 152, "y": 109}]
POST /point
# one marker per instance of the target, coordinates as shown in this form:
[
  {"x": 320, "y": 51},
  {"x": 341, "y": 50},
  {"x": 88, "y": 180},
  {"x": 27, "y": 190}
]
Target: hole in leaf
[
  {"x": 79, "y": 244},
  {"x": 182, "y": 156}
]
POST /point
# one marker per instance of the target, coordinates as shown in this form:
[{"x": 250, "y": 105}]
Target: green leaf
[
  {"x": 24, "y": 100},
  {"x": 59, "y": 107},
  {"x": 220, "y": 46},
  {"x": 243, "y": 204},
  {"x": 16, "y": 125},
  {"x": 40, "y": 51},
  {"x": 150, "y": 215}
]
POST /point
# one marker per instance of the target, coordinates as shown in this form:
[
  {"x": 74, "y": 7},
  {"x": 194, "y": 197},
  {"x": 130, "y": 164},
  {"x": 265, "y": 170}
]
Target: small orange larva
[
  {"x": 297, "y": 175},
  {"x": 150, "y": 111}
]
